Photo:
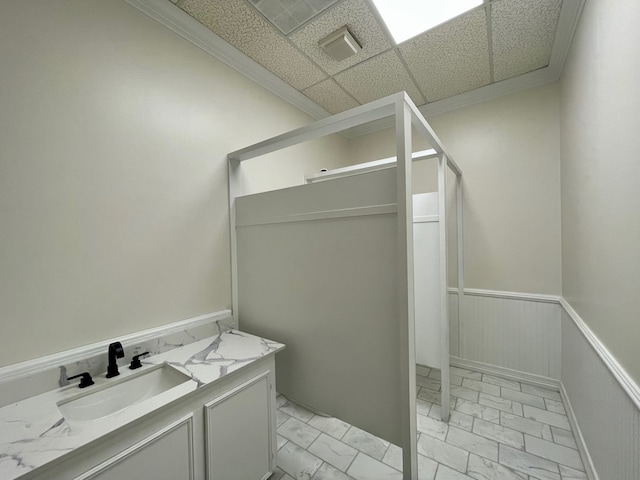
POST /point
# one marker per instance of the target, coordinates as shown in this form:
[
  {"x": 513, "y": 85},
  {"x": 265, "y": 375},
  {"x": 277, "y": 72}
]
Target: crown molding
[
  {"x": 536, "y": 78},
  {"x": 567, "y": 24},
  {"x": 169, "y": 15}
]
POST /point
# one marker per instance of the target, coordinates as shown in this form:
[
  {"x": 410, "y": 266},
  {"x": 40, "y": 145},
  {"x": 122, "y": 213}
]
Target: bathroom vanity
[{"x": 202, "y": 411}]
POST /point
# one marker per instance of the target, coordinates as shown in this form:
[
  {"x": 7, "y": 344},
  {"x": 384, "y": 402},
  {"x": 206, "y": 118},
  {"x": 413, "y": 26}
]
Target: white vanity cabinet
[
  {"x": 239, "y": 432},
  {"x": 221, "y": 431},
  {"x": 167, "y": 454}
]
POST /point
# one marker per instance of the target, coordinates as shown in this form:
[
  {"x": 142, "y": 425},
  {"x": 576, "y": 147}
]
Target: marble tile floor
[{"x": 498, "y": 430}]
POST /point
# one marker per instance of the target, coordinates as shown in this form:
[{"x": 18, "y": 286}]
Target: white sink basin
[{"x": 115, "y": 397}]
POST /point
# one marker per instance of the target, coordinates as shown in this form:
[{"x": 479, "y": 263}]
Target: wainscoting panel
[
  {"x": 513, "y": 331},
  {"x": 608, "y": 418}
]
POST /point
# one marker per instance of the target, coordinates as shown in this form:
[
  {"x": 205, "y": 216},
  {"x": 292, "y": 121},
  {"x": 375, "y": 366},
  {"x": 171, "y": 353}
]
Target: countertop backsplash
[{"x": 16, "y": 389}]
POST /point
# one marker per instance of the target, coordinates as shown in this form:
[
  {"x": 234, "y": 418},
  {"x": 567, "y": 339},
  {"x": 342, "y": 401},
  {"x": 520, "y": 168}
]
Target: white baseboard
[
  {"x": 587, "y": 461},
  {"x": 537, "y": 381},
  {"x": 506, "y": 373},
  {"x": 528, "y": 378}
]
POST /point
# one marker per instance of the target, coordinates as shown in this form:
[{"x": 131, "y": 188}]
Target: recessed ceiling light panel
[
  {"x": 407, "y": 18},
  {"x": 340, "y": 44}
]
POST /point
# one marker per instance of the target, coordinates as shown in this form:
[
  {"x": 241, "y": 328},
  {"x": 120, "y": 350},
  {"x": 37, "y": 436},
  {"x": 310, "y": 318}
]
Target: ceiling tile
[
  {"x": 378, "y": 77},
  {"x": 523, "y": 34},
  {"x": 286, "y": 22},
  {"x": 330, "y": 96},
  {"x": 356, "y": 15},
  {"x": 269, "y": 8},
  {"x": 288, "y": 15},
  {"x": 319, "y": 5},
  {"x": 244, "y": 28},
  {"x": 452, "y": 58}
]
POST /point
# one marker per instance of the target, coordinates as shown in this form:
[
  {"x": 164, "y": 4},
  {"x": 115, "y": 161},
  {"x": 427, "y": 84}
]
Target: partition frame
[
  {"x": 406, "y": 308},
  {"x": 460, "y": 258},
  {"x": 444, "y": 287},
  {"x": 407, "y": 116}
]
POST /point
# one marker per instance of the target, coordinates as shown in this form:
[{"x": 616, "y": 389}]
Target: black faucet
[{"x": 115, "y": 351}]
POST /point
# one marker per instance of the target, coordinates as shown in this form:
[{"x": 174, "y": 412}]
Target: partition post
[
  {"x": 460, "y": 234},
  {"x": 444, "y": 286},
  {"x": 406, "y": 309},
  {"x": 235, "y": 190}
]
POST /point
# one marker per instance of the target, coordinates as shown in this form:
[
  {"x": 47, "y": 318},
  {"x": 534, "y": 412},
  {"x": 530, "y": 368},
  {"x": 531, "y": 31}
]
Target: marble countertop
[{"x": 33, "y": 432}]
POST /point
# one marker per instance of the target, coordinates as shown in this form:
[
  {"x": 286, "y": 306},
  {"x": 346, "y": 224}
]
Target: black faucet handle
[
  {"x": 135, "y": 360},
  {"x": 85, "y": 381}
]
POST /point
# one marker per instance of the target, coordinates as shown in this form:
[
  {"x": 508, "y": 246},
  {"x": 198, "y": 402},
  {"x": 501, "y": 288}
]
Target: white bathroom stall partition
[
  {"x": 328, "y": 269},
  {"x": 426, "y": 257},
  {"x": 431, "y": 330},
  {"x": 317, "y": 271},
  {"x": 426, "y": 260}
]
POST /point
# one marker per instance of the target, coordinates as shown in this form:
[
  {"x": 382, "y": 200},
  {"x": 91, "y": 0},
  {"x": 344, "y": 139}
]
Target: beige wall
[
  {"x": 113, "y": 194},
  {"x": 600, "y": 114},
  {"x": 509, "y": 151}
]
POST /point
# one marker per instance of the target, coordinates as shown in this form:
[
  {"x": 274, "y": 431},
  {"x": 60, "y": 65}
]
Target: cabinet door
[
  {"x": 239, "y": 432},
  {"x": 165, "y": 455}
]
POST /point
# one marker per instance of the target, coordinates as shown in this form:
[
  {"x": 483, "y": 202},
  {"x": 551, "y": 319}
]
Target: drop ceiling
[{"x": 497, "y": 48}]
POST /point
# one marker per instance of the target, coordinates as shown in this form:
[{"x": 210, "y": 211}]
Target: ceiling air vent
[{"x": 340, "y": 44}]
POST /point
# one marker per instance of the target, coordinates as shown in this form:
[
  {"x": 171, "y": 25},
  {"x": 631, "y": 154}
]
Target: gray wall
[
  {"x": 600, "y": 148},
  {"x": 509, "y": 151},
  {"x": 328, "y": 289},
  {"x": 113, "y": 176},
  {"x": 601, "y": 177}
]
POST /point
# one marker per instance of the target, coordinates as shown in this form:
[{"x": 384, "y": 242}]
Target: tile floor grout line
[
  {"x": 558, "y": 462},
  {"x": 546, "y": 432},
  {"x": 541, "y": 458}
]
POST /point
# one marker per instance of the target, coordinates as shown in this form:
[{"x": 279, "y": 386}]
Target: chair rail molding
[
  {"x": 620, "y": 374},
  {"x": 529, "y": 297}
]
